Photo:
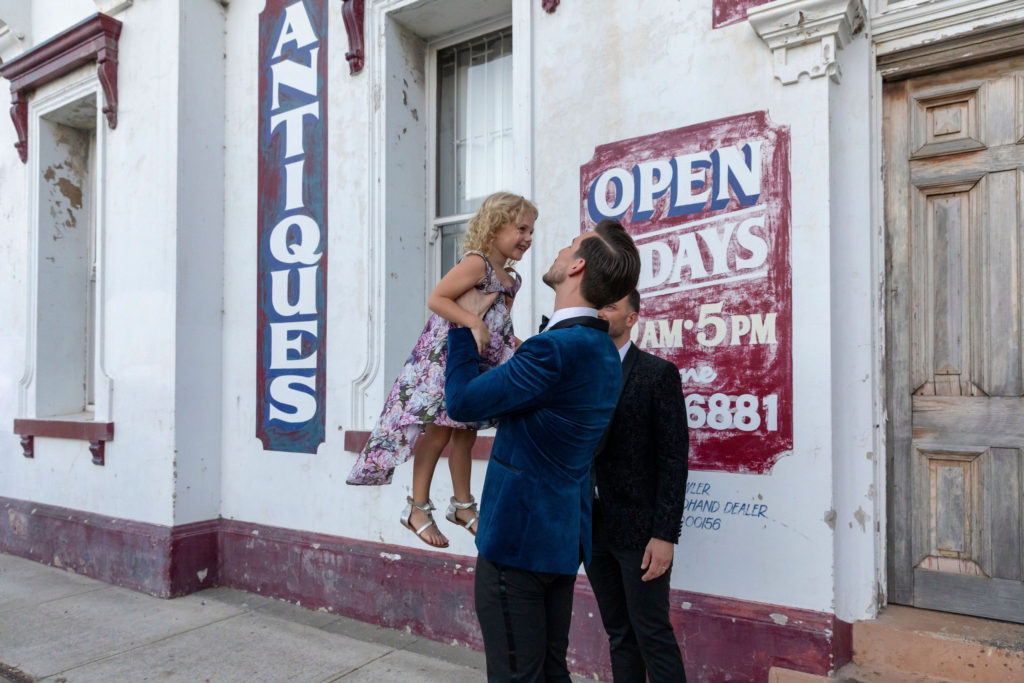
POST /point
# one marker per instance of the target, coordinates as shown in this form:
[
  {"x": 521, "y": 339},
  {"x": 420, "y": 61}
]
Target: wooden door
[{"x": 954, "y": 208}]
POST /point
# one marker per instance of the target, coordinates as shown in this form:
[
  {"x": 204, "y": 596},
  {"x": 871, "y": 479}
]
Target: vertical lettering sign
[
  {"x": 292, "y": 215},
  {"x": 709, "y": 208}
]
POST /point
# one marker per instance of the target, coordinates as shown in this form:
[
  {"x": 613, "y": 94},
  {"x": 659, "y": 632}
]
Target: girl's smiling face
[{"x": 513, "y": 239}]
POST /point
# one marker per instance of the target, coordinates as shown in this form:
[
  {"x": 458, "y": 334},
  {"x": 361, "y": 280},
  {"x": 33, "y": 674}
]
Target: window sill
[
  {"x": 79, "y": 426},
  {"x": 355, "y": 440}
]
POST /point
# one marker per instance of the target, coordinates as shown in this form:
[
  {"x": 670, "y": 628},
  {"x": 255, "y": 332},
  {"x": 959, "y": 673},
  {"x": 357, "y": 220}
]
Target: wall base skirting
[
  {"x": 429, "y": 593},
  {"x": 159, "y": 560}
]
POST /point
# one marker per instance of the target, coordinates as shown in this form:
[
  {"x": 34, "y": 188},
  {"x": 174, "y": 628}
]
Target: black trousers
[
  {"x": 524, "y": 617},
  {"x": 634, "y": 613}
]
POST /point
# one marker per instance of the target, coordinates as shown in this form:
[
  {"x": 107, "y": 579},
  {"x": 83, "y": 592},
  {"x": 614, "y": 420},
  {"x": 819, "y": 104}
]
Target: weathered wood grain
[{"x": 954, "y": 212}]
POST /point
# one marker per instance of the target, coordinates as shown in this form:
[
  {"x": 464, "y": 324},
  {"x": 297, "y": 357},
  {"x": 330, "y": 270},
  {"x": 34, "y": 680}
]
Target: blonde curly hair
[{"x": 498, "y": 209}]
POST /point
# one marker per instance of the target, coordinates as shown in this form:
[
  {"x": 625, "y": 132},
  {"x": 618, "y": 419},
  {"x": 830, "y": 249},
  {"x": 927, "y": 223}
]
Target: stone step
[
  {"x": 945, "y": 646},
  {"x": 854, "y": 673},
  {"x": 777, "y": 675}
]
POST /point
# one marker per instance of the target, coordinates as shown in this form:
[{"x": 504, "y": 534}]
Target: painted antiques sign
[
  {"x": 709, "y": 208},
  {"x": 292, "y": 225}
]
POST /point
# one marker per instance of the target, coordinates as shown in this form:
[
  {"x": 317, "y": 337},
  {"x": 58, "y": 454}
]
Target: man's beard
[{"x": 552, "y": 278}]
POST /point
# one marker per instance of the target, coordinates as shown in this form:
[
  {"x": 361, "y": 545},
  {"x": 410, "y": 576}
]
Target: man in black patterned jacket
[{"x": 639, "y": 477}]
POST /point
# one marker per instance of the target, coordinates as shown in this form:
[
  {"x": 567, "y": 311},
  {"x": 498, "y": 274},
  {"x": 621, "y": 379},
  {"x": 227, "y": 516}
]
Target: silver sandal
[
  {"x": 425, "y": 507},
  {"x": 455, "y": 505}
]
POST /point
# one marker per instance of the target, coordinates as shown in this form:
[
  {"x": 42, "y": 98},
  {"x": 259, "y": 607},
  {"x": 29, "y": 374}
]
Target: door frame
[{"x": 900, "y": 49}]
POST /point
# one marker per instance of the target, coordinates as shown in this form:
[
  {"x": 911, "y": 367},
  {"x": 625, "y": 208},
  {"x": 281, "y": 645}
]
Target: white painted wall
[
  {"x": 857, "y": 454},
  {"x": 165, "y": 380},
  {"x": 181, "y": 248},
  {"x": 584, "y": 94},
  {"x": 200, "y": 260}
]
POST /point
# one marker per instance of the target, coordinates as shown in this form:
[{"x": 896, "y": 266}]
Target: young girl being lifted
[{"x": 414, "y": 422}]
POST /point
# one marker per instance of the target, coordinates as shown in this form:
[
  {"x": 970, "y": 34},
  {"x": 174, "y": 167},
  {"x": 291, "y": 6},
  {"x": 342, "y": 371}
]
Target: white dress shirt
[
  {"x": 624, "y": 349},
  {"x": 570, "y": 312}
]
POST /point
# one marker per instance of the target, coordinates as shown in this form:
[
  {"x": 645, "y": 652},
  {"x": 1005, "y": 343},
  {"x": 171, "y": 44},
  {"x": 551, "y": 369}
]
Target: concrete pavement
[{"x": 60, "y": 627}]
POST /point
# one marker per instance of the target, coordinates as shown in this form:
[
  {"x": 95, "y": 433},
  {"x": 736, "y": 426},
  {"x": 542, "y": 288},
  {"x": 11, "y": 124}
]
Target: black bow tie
[{"x": 543, "y": 323}]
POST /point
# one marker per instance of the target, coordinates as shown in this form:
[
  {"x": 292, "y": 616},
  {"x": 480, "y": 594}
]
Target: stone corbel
[
  {"x": 92, "y": 40},
  {"x": 352, "y": 13},
  {"x": 804, "y": 35},
  {"x": 19, "y": 115}
]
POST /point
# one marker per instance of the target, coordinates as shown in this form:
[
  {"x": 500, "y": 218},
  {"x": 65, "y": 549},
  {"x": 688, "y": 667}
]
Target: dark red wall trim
[
  {"x": 66, "y": 429},
  {"x": 356, "y": 439},
  {"x": 159, "y": 560},
  {"x": 92, "y": 40},
  {"x": 429, "y": 593},
  {"x": 96, "y": 433}
]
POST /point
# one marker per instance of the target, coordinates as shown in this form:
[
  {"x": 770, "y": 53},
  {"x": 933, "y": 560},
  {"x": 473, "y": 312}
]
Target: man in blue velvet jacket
[{"x": 553, "y": 400}]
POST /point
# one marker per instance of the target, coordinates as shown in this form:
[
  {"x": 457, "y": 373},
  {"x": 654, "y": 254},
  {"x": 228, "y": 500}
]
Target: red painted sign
[
  {"x": 709, "y": 208},
  {"x": 726, "y": 12},
  {"x": 292, "y": 226}
]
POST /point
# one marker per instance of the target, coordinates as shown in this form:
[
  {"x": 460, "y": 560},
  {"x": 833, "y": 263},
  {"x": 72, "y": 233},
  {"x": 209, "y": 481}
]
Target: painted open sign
[{"x": 709, "y": 208}]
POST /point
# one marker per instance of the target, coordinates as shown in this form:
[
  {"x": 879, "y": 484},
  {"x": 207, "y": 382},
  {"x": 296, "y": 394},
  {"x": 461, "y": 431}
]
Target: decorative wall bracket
[
  {"x": 92, "y": 40},
  {"x": 28, "y": 446},
  {"x": 96, "y": 433},
  {"x": 352, "y": 13},
  {"x": 804, "y": 35}
]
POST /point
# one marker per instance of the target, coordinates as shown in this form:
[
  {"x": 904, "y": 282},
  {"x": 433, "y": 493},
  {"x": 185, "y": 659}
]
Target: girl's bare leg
[
  {"x": 460, "y": 465},
  {"x": 424, "y": 461}
]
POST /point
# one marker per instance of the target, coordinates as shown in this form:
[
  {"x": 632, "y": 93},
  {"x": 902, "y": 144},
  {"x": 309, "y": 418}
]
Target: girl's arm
[{"x": 463, "y": 277}]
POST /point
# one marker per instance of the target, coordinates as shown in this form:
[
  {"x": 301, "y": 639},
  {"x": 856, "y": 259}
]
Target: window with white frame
[
  {"x": 66, "y": 378},
  {"x": 473, "y": 139},
  {"x": 450, "y": 126},
  {"x": 67, "y": 268}
]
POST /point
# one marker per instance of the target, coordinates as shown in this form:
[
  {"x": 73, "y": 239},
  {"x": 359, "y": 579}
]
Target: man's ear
[
  {"x": 576, "y": 267},
  {"x": 631, "y": 319}
]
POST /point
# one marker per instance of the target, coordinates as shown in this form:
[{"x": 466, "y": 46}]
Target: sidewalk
[{"x": 64, "y": 628}]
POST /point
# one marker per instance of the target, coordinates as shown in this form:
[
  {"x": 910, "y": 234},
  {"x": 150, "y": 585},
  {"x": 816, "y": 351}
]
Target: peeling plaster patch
[
  {"x": 255, "y": 532},
  {"x": 394, "y": 557},
  {"x": 687, "y": 605},
  {"x": 316, "y": 546},
  {"x": 71, "y": 191},
  {"x": 830, "y": 519},
  {"x": 17, "y": 526},
  {"x": 202, "y": 575},
  {"x": 861, "y": 517},
  {"x": 780, "y": 619}
]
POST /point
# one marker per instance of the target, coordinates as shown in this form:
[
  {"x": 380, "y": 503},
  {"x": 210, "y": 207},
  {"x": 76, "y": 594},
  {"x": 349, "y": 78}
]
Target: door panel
[{"x": 954, "y": 174}]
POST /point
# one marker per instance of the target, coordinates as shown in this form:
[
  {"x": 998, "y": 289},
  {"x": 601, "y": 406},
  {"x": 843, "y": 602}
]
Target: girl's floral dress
[{"x": 417, "y": 398}]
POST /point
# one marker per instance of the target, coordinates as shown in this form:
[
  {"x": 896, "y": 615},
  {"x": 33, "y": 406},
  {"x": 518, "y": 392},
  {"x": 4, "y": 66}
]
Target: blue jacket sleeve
[{"x": 509, "y": 388}]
